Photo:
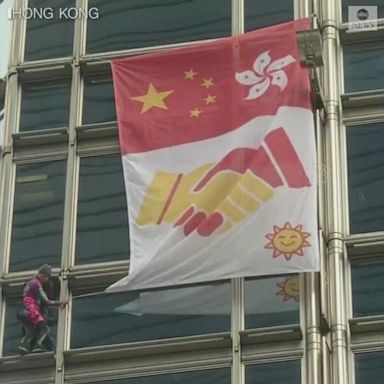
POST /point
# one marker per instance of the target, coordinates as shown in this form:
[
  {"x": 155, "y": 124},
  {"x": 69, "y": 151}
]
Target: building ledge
[
  {"x": 30, "y": 361},
  {"x": 152, "y": 347}
]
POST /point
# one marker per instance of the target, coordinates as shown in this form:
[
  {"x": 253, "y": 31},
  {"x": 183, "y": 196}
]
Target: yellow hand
[{"x": 228, "y": 193}]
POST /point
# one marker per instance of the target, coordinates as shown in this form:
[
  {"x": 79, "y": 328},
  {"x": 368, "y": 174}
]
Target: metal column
[
  {"x": 334, "y": 226},
  {"x": 312, "y": 332},
  {"x": 237, "y": 285}
]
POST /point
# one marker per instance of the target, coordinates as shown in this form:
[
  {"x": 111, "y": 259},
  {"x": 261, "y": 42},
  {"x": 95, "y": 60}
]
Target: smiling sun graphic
[
  {"x": 289, "y": 288},
  {"x": 287, "y": 241}
]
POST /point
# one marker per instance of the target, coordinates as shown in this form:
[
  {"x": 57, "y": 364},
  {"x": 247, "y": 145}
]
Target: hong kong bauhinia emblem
[{"x": 265, "y": 74}]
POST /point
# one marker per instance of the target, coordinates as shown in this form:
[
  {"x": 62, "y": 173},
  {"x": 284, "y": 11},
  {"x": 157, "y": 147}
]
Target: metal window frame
[
  {"x": 152, "y": 370},
  {"x": 347, "y": 123}
]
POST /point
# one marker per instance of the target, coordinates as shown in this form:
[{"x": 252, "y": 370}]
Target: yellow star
[
  {"x": 190, "y": 74},
  {"x": 207, "y": 83},
  {"x": 152, "y": 98},
  {"x": 210, "y": 99},
  {"x": 195, "y": 112}
]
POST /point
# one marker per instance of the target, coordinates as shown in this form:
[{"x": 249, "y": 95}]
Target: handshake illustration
[{"x": 214, "y": 197}]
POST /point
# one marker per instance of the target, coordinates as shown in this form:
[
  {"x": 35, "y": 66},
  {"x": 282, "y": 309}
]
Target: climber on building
[{"x": 38, "y": 299}]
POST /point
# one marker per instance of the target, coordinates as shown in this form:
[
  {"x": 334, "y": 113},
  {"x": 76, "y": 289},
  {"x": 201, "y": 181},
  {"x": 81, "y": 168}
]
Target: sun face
[
  {"x": 289, "y": 288},
  {"x": 287, "y": 241}
]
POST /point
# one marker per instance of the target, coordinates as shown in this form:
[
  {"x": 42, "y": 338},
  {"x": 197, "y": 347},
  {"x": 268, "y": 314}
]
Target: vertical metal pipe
[
  {"x": 7, "y": 186},
  {"x": 313, "y": 345},
  {"x": 335, "y": 230},
  {"x": 237, "y": 285},
  {"x": 312, "y": 333},
  {"x": 69, "y": 226},
  {"x": 237, "y": 324},
  {"x": 237, "y": 17}
]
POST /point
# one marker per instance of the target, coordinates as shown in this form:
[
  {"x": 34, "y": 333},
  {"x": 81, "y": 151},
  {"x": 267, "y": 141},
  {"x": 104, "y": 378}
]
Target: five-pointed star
[
  {"x": 153, "y": 98},
  {"x": 195, "y": 112},
  {"x": 190, "y": 74},
  {"x": 207, "y": 83},
  {"x": 210, "y": 99}
]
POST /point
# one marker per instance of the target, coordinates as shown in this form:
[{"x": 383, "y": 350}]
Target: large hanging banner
[{"x": 218, "y": 151}]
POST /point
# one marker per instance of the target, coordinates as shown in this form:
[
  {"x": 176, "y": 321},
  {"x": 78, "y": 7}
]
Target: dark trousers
[{"x": 34, "y": 336}]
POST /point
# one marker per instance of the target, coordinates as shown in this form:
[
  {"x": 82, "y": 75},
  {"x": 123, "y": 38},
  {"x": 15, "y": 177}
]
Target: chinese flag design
[{"x": 218, "y": 150}]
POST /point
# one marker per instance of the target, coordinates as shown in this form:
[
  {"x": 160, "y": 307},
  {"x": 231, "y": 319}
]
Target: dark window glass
[
  {"x": 365, "y": 145},
  {"x": 260, "y": 14},
  {"x": 368, "y": 289},
  {"x": 13, "y": 329},
  {"x": 38, "y": 215},
  {"x": 287, "y": 372},
  {"x": 140, "y": 23},
  {"x": 361, "y": 4},
  {"x": 132, "y": 316},
  {"x": 51, "y": 35},
  {"x": 364, "y": 67},
  {"x": 44, "y": 106},
  {"x": 212, "y": 376},
  {"x": 102, "y": 221},
  {"x": 272, "y": 301},
  {"x": 369, "y": 368},
  {"x": 99, "y": 102}
]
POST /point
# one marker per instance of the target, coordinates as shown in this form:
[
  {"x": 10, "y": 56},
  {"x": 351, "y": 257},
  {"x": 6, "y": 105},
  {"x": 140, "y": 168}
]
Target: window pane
[
  {"x": 44, "y": 106},
  {"x": 131, "y": 316},
  {"x": 140, "y": 23},
  {"x": 102, "y": 221},
  {"x": 272, "y": 301},
  {"x": 38, "y": 215},
  {"x": 364, "y": 67},
  {"x": 369, "y": 368},
  {"x": 365, "y": 145},
  {"x": 212, "y": 376},
  {"x": 378, "y": 3},
  {"x": 13, "y": 329},
  {"x": 368, "y": 289},
  {"x": 287, "y": 372},
  {"x": 260, "y": 14},
  {"x": 99, "y": 102},
  {"x": 49, "y": 36}
]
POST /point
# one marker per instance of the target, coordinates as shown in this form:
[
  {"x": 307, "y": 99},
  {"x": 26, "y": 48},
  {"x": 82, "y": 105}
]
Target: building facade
[{"x": 62, "y": 202}]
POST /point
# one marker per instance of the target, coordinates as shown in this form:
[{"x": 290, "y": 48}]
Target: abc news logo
[
  {"x": 362, "y": 18},
  {"x": 362, "y": 14}
]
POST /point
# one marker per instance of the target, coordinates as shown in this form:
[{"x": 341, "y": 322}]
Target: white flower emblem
[{"x": 265, "y": 73}]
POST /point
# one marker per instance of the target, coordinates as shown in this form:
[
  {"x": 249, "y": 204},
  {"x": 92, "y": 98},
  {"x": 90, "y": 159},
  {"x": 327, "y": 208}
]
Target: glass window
[
  {"x": 140, "y": 23},
  {"x": 102, "y": 218},
  {"x": 369, "y": 368},
  {"x": 13, "y": 328},
  {"x": 364, "y": 67},
  {"x": 99, "y": 101},
  {"x": 287, "y": 372},
  {"x": 361, "y": 3},
  {"x": 37, "y": 225},
  {"x": 260, "y": 14},
  {"x": 211, "y": 376},
  {"x": 365, "y": 146},
  {"x": 272, "y": 301},
  {"x": 368, "y": 289},
  {"x": 132, "y": 316},
  {"x": 45, "y": 105},
  {"x": 49, "y": 35}
]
